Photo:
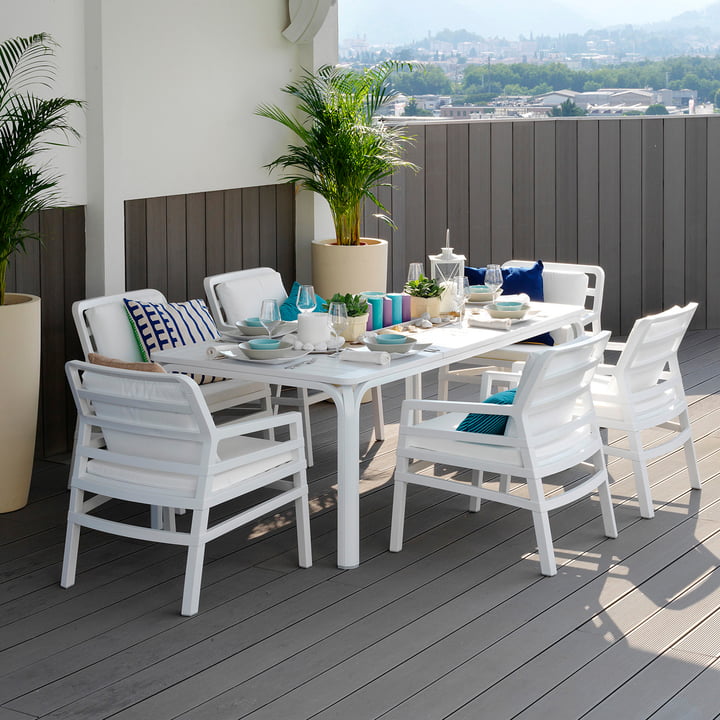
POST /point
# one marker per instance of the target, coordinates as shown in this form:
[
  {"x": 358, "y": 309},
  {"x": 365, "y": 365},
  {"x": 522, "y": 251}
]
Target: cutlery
[{"x": 308, "y": 361}]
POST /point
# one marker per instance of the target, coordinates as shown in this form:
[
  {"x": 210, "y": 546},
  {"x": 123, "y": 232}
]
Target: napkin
[
  {"x": 485, "y": 321},
  {"x": 217, "y": 351},
  {"x": 521, "y": 297},
  {"x": 363, "y": 356}
]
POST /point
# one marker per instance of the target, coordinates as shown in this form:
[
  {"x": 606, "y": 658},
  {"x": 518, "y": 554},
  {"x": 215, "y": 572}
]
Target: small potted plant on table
[
  {"x": 357, "y": 310},
  {"x": 425, "y": 294}
]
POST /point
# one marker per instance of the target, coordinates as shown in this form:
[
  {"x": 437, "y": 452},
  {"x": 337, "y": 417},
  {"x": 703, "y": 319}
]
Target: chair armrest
[
  {"x": 446, "y": 406},
  {"x": 255, "y": 424},
  {"x": 615, "y": 346}
]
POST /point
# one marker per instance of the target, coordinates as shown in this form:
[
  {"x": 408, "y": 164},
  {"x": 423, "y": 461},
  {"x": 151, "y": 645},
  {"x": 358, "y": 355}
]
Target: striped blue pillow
[
  {"x": 489, "y": 424},
  {"x": 159, "y": 326}
]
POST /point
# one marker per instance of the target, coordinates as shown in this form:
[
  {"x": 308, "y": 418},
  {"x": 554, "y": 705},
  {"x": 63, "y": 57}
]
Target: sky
[{"x": 403, "y": 21}]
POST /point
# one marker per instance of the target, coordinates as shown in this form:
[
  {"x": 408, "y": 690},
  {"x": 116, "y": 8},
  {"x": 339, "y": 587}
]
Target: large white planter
[
  {"x": 19, "y": 388},
  {"x": 349, "y": 268}
]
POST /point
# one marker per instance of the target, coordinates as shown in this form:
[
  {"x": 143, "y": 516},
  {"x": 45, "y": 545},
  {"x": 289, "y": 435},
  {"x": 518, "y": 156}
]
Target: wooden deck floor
[{"x": 459, "y": 625}]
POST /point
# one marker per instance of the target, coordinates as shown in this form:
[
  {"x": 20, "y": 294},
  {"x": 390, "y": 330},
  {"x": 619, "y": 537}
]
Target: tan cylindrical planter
[
  {"x": 349, "y": 268},
  {"x": 419, "y": 306},
  {"x": 19, "y": 388},
  {"x": 356, "y": 327}
]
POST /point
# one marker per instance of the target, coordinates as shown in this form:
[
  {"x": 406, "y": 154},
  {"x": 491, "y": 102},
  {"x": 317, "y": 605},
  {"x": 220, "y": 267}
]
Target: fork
[{"x": 299, "y": 363}]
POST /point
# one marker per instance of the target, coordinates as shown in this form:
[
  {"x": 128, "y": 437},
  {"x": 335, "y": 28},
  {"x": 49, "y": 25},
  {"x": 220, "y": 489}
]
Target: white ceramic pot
[
  {"x": 356, "y": 327},
  {"x": 314, "y": 328},
  {"x": 349, "y": 268},
  {"x": 19, "y": 389},
  {"x": 419, "y": 306}
]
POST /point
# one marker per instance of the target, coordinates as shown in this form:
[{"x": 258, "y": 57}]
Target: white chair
[
  {"x": 103, "y": 327},
  {"x": 237, "y": 295},
  {"x": 644, "y": 390},
  {"x": 163, "y": 449},
  {"x": 564, "y": 283},
  {"x": 551, "y": 427}
]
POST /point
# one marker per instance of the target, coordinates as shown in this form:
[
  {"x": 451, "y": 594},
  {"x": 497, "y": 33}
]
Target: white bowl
[
  {"x": 249, "y": 330},
  {"x": 286, "y": 349},
  {"x": 391, "y": 347},
  {"x": 496, "y": 312}
]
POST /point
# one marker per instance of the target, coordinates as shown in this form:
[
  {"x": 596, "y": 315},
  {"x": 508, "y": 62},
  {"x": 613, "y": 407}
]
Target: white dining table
[{"x": 346, "y": 383}]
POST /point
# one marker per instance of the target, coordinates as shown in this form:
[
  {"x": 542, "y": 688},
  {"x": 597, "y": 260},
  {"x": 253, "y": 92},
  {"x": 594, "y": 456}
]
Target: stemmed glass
[
  {"x": 338, "y": 319},
  {"x": 415, "y": 271},
  {"x": 306, "y": 299},
  {"x": 270, "y": 315},
  {"x": 493, "y": 278}
]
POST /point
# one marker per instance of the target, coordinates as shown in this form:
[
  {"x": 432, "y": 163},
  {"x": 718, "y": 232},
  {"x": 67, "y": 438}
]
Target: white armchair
[
  {"x": 564, "y": 283},
  {"x": 551, "y": 427},
  {"x": 236, "y": 295},
  {"x": 163, "y": 449},
  {"x": 643, "y": 390}
]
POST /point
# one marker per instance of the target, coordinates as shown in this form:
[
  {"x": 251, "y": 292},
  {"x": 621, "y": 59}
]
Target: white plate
[
  {"x": 240, "y": 355},
  {"x": 282, "y": 329}
]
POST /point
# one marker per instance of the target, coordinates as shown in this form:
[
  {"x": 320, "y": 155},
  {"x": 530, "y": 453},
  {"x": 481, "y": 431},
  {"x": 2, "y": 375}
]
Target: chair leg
[
  {"x": 302, "y": 522},
  {"x": 642, "y": 482},
  {"x": 476, "y": 480},
  {"x": 690, "y": 457},
  {"x": 72, "y": 541},
  {"x": 606, "y": 506},
  {"x": 505, "y": 482},
  {"x": 541, "y": 522},
  {"x": 168, "y": 519},
  {"x": 194, "y": 563},
  {"x": 443, "y": 383},
  {"x": 379, "y": 414},
  {"x": 304, "y": 408},
  {"x": 397, "y": 525}
]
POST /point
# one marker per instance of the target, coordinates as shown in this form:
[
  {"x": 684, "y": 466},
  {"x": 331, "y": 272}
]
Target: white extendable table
[{"x": 347, "y": 382}]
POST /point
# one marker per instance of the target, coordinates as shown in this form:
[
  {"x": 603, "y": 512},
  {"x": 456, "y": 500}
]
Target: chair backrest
[
  {"x": 237, "y": 295},
  {"x": 103, "y": 325},
  {"x": 554, "y": 399},
  {"x": 158, "y": 431},
  {"x": 652, "y": 347},
  {"x": 572, "y": 284}
]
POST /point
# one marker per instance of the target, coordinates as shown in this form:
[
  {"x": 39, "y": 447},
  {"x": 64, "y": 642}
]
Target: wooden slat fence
[
  {"x": 55, "y": 272},
  {"x": 637, "y": 195},
  {"x": 172, "y": 243}
]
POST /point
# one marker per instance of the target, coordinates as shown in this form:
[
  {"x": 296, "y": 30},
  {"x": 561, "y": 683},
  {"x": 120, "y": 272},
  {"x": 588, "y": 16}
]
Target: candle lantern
[{"x": 444, "y": 268}]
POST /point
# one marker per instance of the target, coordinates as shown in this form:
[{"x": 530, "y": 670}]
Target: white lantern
[{"x": 444, "y": 268}]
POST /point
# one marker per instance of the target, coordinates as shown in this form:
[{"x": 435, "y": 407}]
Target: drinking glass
[
  {"x": 415, "y": 271},
  {"x": 338, "y": 319},
  {"x": 493, "y": 278},
  {"x": 270, "y": 315},
  {"x": 306, "y": 299}
]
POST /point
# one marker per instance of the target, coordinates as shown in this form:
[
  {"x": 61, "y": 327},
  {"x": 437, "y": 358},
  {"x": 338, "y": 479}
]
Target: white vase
[
  {"x": 19, "y": 389},
  {"x": 349, "y": 268}
]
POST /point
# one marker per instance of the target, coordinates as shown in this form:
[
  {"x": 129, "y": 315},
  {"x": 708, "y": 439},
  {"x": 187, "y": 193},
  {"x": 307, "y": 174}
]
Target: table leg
[{"x": 347, "y": 403}]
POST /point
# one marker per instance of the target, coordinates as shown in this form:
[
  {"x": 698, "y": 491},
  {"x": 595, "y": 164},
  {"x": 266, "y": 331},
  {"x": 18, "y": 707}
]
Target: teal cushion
[
  {"x": 289, "y": 310},
  {"x": 489, "y": 424}
]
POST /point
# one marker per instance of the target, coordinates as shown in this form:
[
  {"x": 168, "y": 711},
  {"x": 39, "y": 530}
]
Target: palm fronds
[
  {"x": 28, "y": 125},
  {"x": 344, "y": 151}
]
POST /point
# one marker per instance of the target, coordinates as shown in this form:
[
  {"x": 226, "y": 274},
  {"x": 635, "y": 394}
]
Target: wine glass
[
  {"x": 306, "y": 299},
  {"x": 493, "y": 278},
  {"x": 415, "y": 271},
  {"x": 338, "y": 319},
  {"x": 270, "y": 315}
]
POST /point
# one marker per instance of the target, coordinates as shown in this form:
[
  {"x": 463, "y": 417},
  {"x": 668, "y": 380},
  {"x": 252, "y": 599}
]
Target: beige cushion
[{"x": 97, "y": 359}]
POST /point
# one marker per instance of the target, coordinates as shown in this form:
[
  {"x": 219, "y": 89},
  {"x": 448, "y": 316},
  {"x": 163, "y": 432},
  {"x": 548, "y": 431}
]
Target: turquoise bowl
[
  {"x": 252, "y": 322},
  {"x": 264, "y": 343},
  {"x": 509, "y": 305},
  {"x": 390, "y": 339}
]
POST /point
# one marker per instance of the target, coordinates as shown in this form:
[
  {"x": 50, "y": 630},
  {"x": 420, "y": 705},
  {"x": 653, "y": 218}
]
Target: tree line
[{"x": 482, "y": 82}]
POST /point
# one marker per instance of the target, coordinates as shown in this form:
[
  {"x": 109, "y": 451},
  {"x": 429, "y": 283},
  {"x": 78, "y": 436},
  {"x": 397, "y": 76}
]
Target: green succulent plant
[
  {"x": 356, "y": 304},
  {"x": 424, "y": 287}
]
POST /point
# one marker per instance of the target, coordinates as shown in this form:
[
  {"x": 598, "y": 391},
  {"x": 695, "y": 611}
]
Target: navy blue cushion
[
  {"x": 289, "y": 310},
  {"x": 515, "y": 281},
  {"x": 489, "y": 424}
]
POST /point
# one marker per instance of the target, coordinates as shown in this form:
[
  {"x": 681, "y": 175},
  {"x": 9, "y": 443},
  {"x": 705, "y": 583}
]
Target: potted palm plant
[
  {"x": 344, "y": 154},
  {"x": 28, "y": 125}
]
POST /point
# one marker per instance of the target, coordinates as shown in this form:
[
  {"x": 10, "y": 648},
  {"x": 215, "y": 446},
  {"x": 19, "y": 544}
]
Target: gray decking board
[{"x": 450, "y": 627}]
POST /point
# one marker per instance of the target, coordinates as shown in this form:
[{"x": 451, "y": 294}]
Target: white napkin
[
  {"x": 363, "y": 356},
  {"x": 522, "y": 297},
  {"x": 218, "y": 351},
  {"x": 485, "y": 321}
]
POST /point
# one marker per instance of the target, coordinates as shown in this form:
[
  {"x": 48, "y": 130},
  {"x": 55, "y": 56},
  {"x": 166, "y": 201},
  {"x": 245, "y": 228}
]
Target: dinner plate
[{"x": 239, "y": 354}]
